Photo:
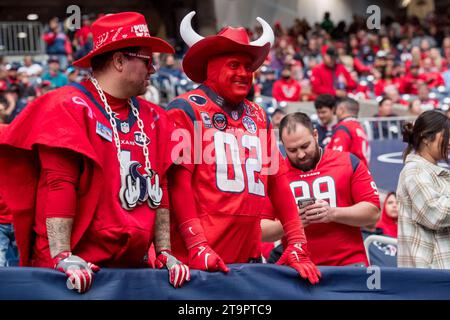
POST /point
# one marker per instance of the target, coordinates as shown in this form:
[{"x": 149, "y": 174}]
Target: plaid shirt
[{"x": 423, "y": 194}]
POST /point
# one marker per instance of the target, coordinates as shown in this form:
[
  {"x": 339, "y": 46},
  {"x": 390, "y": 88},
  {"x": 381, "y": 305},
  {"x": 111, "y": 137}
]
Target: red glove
[
  {"x": 201, "y": 255},
  {"x": 80, "y": 274},
  {"x": 178, "y": 272},
  {"x": 296, "y": 254}
]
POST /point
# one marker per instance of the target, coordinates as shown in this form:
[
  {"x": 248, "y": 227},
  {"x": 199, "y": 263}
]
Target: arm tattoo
[
  {"x": 59, "y": 231},
  {"x": 162, "y": 230}
]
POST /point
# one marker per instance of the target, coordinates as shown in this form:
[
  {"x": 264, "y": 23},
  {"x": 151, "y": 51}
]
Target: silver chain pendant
[{"x": 135, "y": 188}]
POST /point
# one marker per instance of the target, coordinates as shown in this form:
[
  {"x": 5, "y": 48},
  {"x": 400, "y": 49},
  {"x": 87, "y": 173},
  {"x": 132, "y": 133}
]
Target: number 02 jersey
[
  {"x": 343, "y": 180},
  {"x": 229, "y": 153}
]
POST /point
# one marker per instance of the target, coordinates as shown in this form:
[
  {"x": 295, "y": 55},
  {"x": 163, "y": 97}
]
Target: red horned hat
[{"x": 228, "y": 40}]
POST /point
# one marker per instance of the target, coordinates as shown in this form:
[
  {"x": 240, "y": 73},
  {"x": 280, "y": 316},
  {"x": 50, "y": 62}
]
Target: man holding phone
[{"x": 335, "y": 193}]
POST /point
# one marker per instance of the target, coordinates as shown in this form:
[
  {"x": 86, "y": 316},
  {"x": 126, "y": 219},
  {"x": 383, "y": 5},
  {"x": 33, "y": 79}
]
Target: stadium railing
[{"x": 21, "y": 38}]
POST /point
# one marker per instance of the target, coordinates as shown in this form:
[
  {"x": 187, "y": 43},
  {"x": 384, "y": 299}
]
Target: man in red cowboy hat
[
  {"x": 84, "y": 165},
  {"x": 219, "y": 188}
]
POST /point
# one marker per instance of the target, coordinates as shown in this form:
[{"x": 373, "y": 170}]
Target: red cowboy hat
[
  {"x": 228, "y": 40},
  {"x": 121, "y": 30}
]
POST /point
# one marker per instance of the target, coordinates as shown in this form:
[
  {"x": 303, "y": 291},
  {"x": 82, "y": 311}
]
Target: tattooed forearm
[
  {"x": 59, "y": 231},
  {"x": 162, "y": 230}
]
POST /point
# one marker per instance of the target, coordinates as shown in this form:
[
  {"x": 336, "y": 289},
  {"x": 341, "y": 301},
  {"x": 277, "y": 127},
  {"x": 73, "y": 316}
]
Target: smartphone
[{"x": 305, "y": 202}]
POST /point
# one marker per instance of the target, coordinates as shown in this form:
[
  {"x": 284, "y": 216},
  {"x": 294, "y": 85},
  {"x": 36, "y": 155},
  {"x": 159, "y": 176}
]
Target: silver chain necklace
[{"x": 135, "y": 188}]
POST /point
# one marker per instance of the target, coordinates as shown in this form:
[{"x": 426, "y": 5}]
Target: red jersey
[
  {"x": 326, "y": 80},
  {"x": 103, "y": 233},
  {"x": 342, "y": 180},
  {"x": 230, "y": 162},
  {"x": 350, "y": 136},
  {"x": 286, "y": 90}
]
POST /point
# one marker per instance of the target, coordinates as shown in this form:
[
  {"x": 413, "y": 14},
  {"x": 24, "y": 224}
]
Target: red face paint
[{"x": 230, "y": 76}]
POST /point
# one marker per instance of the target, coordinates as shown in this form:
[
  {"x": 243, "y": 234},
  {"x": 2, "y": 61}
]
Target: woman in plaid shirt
[{"x": 423, "y": 194}]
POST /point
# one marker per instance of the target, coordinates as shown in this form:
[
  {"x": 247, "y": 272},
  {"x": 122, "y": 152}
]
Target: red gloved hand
[
  {"x": 201, "y": 255},
  {"x": 178, "y": 272},
  {"x": 80, "y": 274},
  {"x": 296, "y": 254}
]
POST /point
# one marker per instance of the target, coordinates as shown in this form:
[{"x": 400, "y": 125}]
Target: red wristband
[
  {"x": 294, "y": 231},
  {"x": 192, "y": 232}
]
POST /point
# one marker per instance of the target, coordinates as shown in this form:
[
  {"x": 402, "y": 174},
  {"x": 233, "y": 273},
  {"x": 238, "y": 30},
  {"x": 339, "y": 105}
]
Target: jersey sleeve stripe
[{"x": 183, "y": 105}]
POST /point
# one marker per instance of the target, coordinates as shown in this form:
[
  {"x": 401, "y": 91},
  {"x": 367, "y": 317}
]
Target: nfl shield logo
[{"x": 124, "y": 127}]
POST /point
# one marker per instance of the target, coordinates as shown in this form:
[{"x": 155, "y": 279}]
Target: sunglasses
[{"x": 148, "y": 60}]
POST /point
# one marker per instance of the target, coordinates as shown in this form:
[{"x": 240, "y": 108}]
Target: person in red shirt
[
  {"x": 91, "y": 191},
  {"x": 409, "y": 82},
  {"x": 331, "y": 77},
  {"x": 346, "y": 197},
  {"x": 389, "y": 216},
  {"x": 431, "y": 74},
  {"x": 219, "y": 187},
  {"x": 348, "y": 134},
  {"x": 286, "y": 88}
]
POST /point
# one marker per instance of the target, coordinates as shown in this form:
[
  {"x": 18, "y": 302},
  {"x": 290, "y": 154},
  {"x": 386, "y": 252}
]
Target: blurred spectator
[
  {"x": 31, "y": 68},
  {"x": 267, "y": 81},
  {"x": 423, "y": 194},
  {"x": 169, "y": 68},
  {"x": 410, "y": 82},
  {"x": 426, "y": 102},
  {"x": 389, "y": 216},
  {"x": 73, "y": 75},
  {"x": 325, "y": 105},
  {"x": 152, "y": 94},
  {"x": 83, "y": 38},
  {"x": 276, "y": 118},
  {"x": 58, "y": 43},
  {"x": 446, "y": 76},
  {"x": 391, "y": 92},
  {"x": 54, "y": 74},
  {"x": 327, "y": 24},
  {"x": 431, "y": 74},
  {"x": 348, "y": 134},
  {"x": 12, "y": 73},
  {"x": 415, "y": 108},
  {"x": 331, "y": 77},
  {"x": 286, "y": 88},
  {"x": 385, "y": 129}
]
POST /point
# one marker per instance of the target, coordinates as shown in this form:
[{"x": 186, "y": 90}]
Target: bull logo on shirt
[{"x": 137, "y": 188}]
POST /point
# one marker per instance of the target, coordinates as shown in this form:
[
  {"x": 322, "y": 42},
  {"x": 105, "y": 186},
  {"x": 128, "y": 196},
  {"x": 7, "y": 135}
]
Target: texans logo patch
[
  {"x": 220, "y": 121},
  {"x": 198, "y": 100}
]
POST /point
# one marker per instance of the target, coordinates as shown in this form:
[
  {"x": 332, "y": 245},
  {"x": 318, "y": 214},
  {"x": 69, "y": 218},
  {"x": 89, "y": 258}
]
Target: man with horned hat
[
  {"x": 228, "y": 160},
  {"x": 84, "y": 166}
]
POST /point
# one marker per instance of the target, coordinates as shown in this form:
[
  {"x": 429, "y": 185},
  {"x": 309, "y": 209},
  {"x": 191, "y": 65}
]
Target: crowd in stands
[{"x": 407, "y": 60}]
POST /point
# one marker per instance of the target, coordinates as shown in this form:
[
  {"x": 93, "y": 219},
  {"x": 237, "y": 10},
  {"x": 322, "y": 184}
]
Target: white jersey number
[
  {"x": 252, "y": 165},
  {"x": 329, "y": 195}
]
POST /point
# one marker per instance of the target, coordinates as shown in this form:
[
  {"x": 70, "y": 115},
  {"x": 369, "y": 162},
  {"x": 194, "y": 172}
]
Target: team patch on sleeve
[{"x": 198, "y": 100}]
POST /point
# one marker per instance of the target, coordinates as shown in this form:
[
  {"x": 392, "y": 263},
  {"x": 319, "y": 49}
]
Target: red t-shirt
[
  {"x": 350, "y": 136},
  {"x": 230, "y": 161},
  {"x": 116, "y": 237},
  {"x": 286, "y": 90},
  {"x": 343, "y": 180}
]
